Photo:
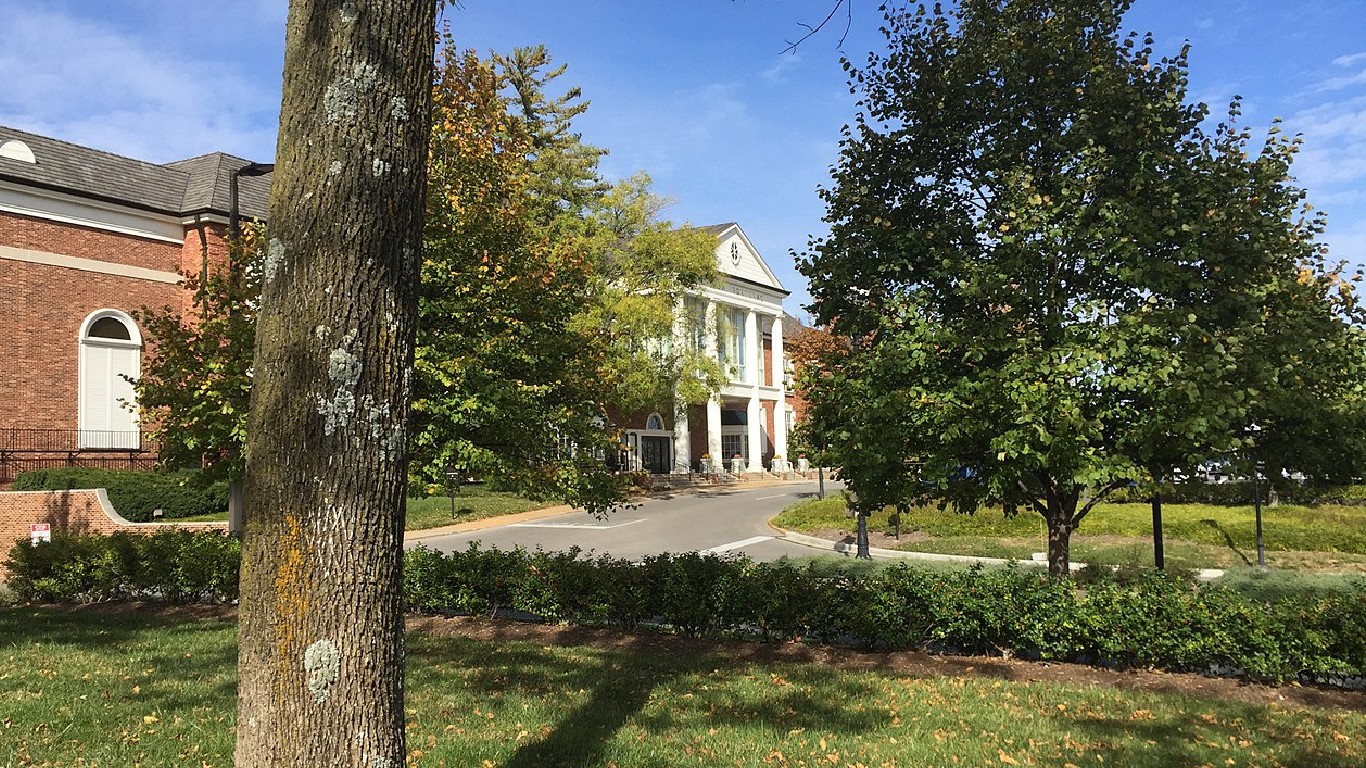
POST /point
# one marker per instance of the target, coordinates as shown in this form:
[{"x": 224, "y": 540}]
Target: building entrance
[{"x": 654, "y": 454}]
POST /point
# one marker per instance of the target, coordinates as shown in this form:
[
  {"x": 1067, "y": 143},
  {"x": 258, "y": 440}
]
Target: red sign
[{"x": 39, "y": 532}]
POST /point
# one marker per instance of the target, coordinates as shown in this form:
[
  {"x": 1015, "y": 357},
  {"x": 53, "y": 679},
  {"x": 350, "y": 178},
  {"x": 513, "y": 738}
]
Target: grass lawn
[
  {"x": 99, "y": 688},
  {"x": 1323, "y": 538},
  {"x": 473, "y": 502}
]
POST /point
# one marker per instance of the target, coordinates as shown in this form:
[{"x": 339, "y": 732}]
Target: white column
[
  {"x": 682, "y": 455},
  {"x": 682, "y": 463},
  {"x": 714, "y": 432},
  {"x": 754, "y": 350},
  {"x": 713, "y": 404},
  {"x": 780, "y": 409},
  {"x": 754, "y": 368}
]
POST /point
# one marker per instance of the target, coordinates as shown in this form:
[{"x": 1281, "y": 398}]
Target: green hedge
[
  {"x": 1151, "y": 621},
  {"x": 135, "y": 494},
  {"x": 171, "y": 565},
  {"x": 1239, "y": 493}
]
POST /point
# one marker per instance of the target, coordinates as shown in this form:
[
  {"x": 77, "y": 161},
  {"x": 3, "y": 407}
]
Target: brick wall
[
  {"x": 771, "y": 378},
  {"x": 697, "y": 432},
  {"x": 88, "y": 243},
  {"x": 80, "y": 511},
  {"x": 42, "y": 307},
  {"x": 41, "y": 310}
]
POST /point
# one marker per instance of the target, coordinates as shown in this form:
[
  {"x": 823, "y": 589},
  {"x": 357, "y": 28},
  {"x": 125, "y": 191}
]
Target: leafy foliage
[
  {"x": 548, "y": 301},
  {"x": 195, "y": 387},
  {"x": 503, "y": 384},
  {"x": 548, "y": 297},
  {"x": 1055, "y": 281}
]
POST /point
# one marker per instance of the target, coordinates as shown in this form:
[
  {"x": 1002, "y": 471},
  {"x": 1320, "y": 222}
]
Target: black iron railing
[
  {"x": 24, "y": 450},
  {"x": 22, "y": 440}
]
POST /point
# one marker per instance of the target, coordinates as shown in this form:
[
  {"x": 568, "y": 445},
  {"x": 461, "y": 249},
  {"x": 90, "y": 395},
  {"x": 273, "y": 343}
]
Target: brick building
[{"x": 87, "y": 238}]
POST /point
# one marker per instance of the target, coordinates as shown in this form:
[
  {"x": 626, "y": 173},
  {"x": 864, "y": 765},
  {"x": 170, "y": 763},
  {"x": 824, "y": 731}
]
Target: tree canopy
[
  {"x": 1054, "y": 275},
  {"x": 195, "y": 388},
  {"x": 547, "y": 305}
]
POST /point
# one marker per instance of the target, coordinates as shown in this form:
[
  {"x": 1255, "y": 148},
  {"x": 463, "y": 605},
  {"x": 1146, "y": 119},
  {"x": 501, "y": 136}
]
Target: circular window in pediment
[{"x": 735, "y": 254}]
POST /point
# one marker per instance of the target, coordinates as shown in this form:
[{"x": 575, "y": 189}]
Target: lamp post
[
  {"x": 1159, "y": 557},
  {"x": 454, "y": 476},
  {"x": 1256, "y": 431},
  {"x": 852, "y": 500},
  {"x": 237, "y": 490},
  {"x": 234, "y": 215}
]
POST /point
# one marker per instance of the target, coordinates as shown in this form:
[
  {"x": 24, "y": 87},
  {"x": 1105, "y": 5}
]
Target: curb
[
  {"x": 487, "y": 522},
  {"x": 846, "y": 548}
]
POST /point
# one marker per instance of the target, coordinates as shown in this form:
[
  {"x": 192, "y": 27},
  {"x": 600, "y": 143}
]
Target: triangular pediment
[{"x": 737, "y": 257}]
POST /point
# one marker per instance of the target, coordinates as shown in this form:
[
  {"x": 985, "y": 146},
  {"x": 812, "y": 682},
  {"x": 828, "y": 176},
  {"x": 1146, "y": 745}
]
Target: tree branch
[
  {"x": 1094, "y": 500},
  {"x": 811, "y": 31}
]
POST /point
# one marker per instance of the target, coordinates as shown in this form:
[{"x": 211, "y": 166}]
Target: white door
[{"x": 110, "y": 351}]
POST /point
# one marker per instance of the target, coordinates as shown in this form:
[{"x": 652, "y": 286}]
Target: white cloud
[
  {"x": 784, "y": 62},
  {"x": 1350, "y": 59},
  {"x": 1346, "y": 81},
  {"x": 92, "y": 83}
]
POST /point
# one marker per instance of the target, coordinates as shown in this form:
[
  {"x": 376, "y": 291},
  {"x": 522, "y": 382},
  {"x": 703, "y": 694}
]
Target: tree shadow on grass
[
  {"x": 634, "y": 685},
  {"x": 186, "y": 651},
  {"x": 1227, "y": 540}
]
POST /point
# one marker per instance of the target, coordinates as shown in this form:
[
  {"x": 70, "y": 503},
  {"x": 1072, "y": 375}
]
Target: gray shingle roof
[
  {"x": 718, "y": 229},
  {"x": 209, "y": 181},
  {"x": 199, "y": 184}
]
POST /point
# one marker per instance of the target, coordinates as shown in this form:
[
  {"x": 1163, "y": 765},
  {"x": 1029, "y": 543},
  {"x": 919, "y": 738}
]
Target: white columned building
[{"x": 743, "y": 429}]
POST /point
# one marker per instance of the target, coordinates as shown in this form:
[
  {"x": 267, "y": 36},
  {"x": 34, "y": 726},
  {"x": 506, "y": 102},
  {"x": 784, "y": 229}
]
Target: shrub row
[
  {"x": 1152, "y": 622},
  {"x": 1239, "y": 493},
  {"x": 135, "y": 494},
  {"x": 172, "y": 565}
]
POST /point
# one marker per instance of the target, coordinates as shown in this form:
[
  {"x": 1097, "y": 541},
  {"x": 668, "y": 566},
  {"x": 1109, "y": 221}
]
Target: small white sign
[{"x": 39, "y": 532}]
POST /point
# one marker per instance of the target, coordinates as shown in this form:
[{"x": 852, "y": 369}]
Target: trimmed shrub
[
  {"x": 172, "y": 565},
  {"x": 135, "y": 494},
  {"x": 1239, "y": 493},
  {"x": 1150, "y": 620}
]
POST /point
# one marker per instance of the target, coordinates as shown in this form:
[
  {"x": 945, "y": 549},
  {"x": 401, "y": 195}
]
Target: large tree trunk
[
  {"x": 1059, "y": 517},
  {"x": 321, "y": 643}
]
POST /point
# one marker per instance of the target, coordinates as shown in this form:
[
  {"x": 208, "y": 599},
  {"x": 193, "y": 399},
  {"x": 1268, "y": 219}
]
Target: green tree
[
  {"x": 505, "y": 385},
  {"x": 1048, "y": 268},
  {"x": 195, "y": 389},
  {"x": 563, "y": 169},
  {"x": 642, "y": 268},
  {"x": 548, "y": 297}
]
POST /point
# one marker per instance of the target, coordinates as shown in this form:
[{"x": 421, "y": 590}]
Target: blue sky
[{"x": 697, "y": 93}]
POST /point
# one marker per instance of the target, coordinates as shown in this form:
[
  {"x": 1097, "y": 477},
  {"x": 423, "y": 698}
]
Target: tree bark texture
[
  {"x": 1061, "y": 516},
  {"x": 321, "y": 643}
]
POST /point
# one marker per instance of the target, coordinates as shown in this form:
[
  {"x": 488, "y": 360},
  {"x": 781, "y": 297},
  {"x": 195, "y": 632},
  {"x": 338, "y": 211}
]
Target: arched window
[
  {"x": 654, "y": 421},
  {"x": 110, "y": 355}
]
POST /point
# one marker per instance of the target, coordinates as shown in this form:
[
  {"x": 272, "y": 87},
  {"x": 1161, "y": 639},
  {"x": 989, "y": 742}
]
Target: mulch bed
[{"x": 905, "y": 663}]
